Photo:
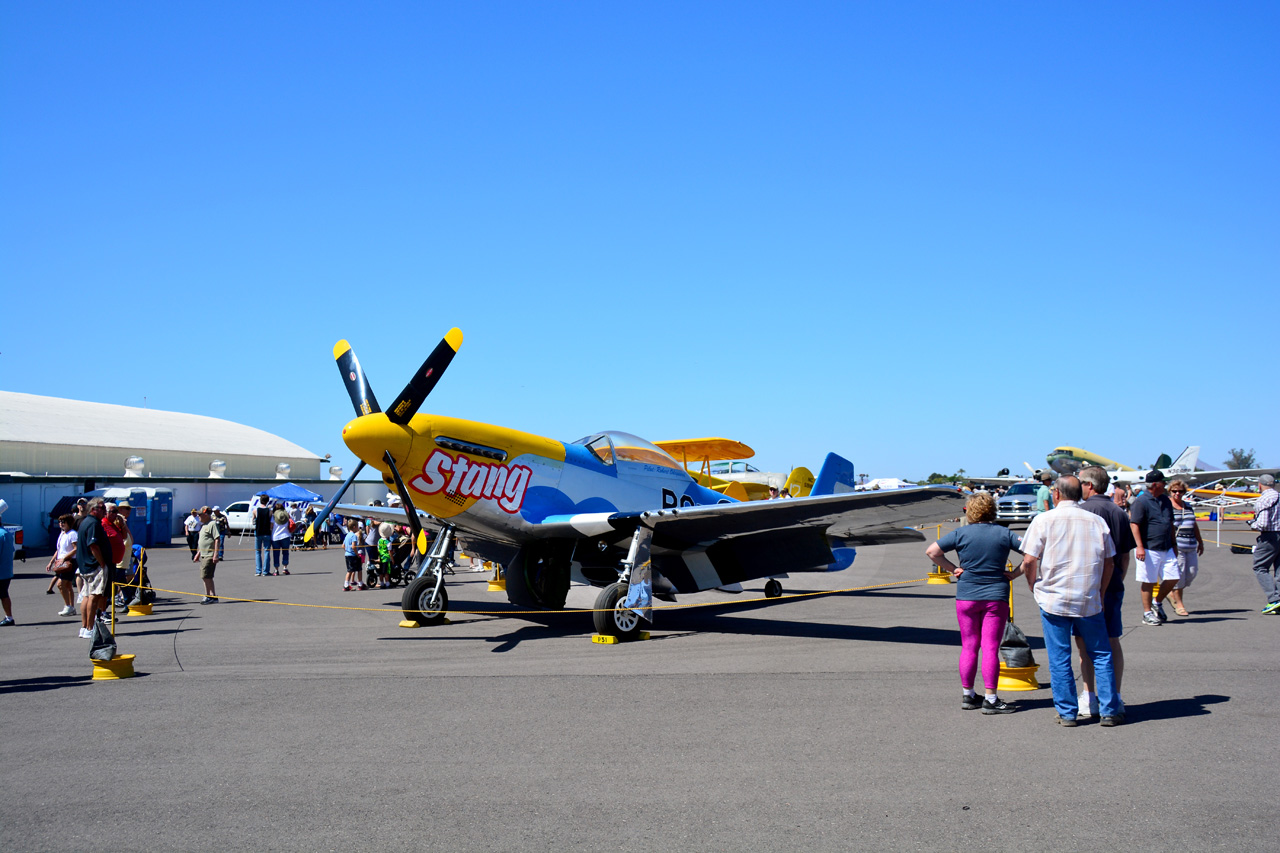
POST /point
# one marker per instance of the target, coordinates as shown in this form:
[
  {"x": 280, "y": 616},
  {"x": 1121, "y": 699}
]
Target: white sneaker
[
  {"x": 67, "y": 611},
  {"x": 1088, "y": 705},
  {"x": 85, "y": 633}
]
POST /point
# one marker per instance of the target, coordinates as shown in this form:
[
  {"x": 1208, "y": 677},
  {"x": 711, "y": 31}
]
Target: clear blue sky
[{"x": 926, "y": 236}]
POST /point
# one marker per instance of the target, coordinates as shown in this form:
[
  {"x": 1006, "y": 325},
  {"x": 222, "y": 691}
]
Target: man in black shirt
[
  {"x": 261, "y": 534},
  {"x": 93, "y": 551},
  {"x": 1151, "y": 520},
  {"x": 1094, "y": 482}
]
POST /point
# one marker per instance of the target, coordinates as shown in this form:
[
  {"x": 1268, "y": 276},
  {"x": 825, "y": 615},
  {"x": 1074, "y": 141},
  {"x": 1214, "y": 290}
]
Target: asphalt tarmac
[{"x": 821, "y": 723}]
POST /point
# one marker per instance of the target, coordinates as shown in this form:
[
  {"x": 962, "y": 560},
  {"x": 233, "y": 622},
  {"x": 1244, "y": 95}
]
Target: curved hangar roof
[{"x": 58, "y": 436}]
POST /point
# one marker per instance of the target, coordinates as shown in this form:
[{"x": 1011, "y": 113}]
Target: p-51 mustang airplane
[{"x": 611, "y": 509}]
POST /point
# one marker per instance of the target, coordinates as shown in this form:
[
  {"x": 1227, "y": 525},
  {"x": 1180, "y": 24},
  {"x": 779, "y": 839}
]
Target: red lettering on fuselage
[{"x": 456, "y": 475}]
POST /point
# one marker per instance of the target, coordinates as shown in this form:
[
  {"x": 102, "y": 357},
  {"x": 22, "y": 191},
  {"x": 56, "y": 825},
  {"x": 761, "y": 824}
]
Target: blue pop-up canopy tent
[{"x": 292, "y": 493}]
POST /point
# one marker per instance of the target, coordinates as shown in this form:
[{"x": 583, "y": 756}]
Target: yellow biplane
[{"x": 719, "y": 467}]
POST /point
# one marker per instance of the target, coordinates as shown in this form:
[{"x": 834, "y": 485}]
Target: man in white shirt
[{"x": 1067, "y": 560}]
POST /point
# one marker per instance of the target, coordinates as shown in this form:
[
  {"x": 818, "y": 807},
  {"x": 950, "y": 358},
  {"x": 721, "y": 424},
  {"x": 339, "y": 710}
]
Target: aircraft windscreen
[{"x": 627, "y": 447}]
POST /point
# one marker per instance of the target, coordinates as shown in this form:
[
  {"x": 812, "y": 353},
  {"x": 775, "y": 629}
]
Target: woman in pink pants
[{"x": 982, "y": 596}]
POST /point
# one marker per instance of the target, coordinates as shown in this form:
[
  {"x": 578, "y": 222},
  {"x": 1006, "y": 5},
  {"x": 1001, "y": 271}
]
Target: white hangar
[{"x": 54, "y": 436}]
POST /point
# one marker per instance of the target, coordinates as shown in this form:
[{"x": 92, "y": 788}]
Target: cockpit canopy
[{"x": 614, "y": 444}]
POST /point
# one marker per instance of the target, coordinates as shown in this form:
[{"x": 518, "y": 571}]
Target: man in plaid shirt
[
  {"x": 1067, "y": 560},
  {"x": 1266, "y": 551}
]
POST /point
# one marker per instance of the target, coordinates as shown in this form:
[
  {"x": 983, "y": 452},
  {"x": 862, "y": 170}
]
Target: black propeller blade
[
  {"x": 353, "y": 377},
  {"x": 328, "y": 508},
  {"x": 410, "y": 399},
  {"x": 415, "y": 526}
]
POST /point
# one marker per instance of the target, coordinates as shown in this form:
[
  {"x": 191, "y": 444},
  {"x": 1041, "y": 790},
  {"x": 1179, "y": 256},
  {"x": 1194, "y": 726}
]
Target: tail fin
[
  {"x": 834, "y": 477},
  {"x": 1187, "y": 460},
  {"x": 799, "y": 483}
]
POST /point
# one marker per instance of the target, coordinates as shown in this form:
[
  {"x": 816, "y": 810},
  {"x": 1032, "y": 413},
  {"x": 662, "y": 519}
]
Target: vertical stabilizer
[
  {"x": 1187, "y": 460},
  {"x": 835, "y": 477}
]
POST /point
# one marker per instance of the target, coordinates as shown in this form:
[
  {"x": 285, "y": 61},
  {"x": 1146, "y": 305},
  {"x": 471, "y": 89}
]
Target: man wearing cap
[
  {"x": 6, "y": 569},
  {"x": 93, "y": 555},
  {"x": 1044, "y": 499},
  {"x": 125, "y": 511},
  {"x": 1266, "y": 551},
  {"x": 207, "y": 547},
  {"x": 1151, "y": 519}
]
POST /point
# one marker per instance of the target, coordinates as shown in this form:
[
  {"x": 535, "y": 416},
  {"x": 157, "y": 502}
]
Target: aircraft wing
[
  {"x": 1197, "y": 477},
  {"x": 997, "y": 481},
  {"x": 703, "y": 547}
]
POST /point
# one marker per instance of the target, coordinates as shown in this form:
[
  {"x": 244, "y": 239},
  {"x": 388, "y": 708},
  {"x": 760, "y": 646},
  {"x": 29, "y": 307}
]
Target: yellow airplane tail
[{"x": 799, "y": 483}]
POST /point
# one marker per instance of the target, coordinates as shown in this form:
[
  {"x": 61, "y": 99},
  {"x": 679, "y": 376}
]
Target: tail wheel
[
  {"x": 611, "y": 617},
  {"x": 422, "y": 604},
  {"x": 772, "y": 589}
]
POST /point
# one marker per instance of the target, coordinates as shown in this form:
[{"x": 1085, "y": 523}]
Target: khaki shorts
[
  {"x": 96, "y": 583},
  {"x": 206, "y": 569}
]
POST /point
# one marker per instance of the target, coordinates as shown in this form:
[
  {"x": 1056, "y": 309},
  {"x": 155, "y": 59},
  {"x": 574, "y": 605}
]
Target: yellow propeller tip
[
  {"x": 340, "y": 349},
  {"x": 454, "y": 338}
]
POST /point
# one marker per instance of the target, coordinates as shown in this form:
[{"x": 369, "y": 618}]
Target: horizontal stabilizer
[{"x": 834, "y": 477}]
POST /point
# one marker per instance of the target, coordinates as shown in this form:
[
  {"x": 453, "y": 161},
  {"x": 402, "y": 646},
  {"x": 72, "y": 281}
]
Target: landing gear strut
[{"x": 425, "y": 600}]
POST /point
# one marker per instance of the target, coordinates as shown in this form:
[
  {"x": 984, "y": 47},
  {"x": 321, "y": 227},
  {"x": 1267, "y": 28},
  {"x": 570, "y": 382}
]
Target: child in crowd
[
  {"x": 350, "y": 553},
  {"x": 385, "y": 530}
]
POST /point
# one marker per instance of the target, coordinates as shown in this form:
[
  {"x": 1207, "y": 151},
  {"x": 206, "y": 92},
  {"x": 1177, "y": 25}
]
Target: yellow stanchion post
[
  {"x": 937, "y": 575},
  {"x": 120, "y": 666},
  {"x": 1014, "y": 679},
  {"x": 497, "y": 583}
]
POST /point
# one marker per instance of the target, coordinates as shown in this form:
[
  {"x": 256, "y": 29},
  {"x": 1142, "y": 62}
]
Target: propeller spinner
[{"x": 359, "y": 432}]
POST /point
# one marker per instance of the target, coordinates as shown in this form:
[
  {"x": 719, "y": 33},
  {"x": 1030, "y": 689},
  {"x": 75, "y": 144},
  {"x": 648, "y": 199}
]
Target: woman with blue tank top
[{"x": 982, "y": 596}]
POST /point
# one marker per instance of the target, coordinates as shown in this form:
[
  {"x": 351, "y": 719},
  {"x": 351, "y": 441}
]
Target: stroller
[{"x": 139, "y": 590}]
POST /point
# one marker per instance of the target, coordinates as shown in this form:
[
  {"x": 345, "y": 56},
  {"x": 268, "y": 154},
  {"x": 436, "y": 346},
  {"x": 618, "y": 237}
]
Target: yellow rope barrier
[{"x": 523, "y": 612}]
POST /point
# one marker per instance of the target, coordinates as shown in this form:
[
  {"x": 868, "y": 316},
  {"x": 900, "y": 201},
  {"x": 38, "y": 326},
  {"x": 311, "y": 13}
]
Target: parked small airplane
[
  {"x": 719, "y": 464},
  {"x": 611, "y": 509},
  {"x": 1069, "y": 460}
]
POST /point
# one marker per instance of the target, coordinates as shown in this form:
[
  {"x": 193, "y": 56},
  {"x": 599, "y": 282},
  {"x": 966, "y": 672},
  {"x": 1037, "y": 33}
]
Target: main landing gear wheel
[
  {"x": 420, "y": 602},
  {"x": 611, "y": 618},
  {"x": 772, "y": 589}
]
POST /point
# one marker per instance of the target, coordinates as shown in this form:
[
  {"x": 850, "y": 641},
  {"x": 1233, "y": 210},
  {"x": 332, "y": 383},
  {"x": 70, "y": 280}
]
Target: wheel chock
[
  {"x": 413, "y": 623},
  {"x": 120, "y": 666},
  {"x": 139, "y": 610},
  {"x": 938, "y": 576},
  {"x": 1018, "y": 678},
  {"x": 499, "y": 585},
  {"x": 610, "y": 640}
]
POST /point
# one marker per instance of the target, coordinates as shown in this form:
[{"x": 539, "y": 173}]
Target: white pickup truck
[{"x": 18, "y": 551}]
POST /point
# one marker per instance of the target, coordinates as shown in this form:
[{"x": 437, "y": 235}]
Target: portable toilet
[
  {"x": 159, "y": 517},
  {"x": 137, "y": 499}
]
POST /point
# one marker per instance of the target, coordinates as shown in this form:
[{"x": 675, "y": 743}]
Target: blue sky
[{"x": 926, "y": 236}]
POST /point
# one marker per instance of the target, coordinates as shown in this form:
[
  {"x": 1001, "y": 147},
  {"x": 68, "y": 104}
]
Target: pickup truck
[
  {"x": 1017, "y": 505},
  {"x": 18, "y": 551}
]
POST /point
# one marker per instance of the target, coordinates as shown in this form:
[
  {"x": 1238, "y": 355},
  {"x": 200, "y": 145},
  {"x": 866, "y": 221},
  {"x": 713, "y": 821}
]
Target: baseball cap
[
  {"x": 1264, "y": 480},
  {"x": 217, "y": 509},
  {"x": 1156, "y": 476},
  {"x": 1046, "y": 476}
]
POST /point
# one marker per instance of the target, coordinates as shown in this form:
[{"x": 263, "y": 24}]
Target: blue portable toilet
[
  {"x": 138, "y": 517},
  {"x": 159, "y": 517}
]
